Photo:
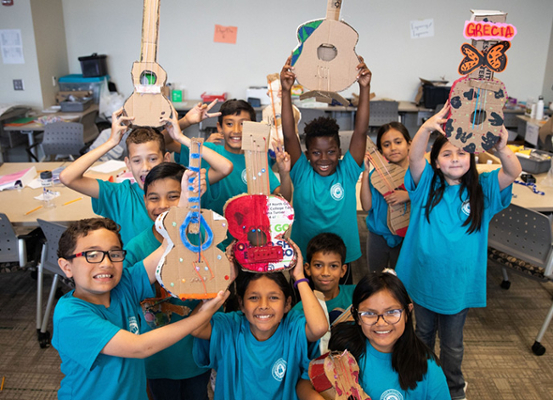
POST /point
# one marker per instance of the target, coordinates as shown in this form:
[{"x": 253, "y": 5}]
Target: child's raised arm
[
  {"x": 420, "y": 141},
  {"x": 220, "y": 166},
  {"x": 510, "y": 164},
  {"x": 72, "y": 175},
  {"x": 306, "y": 391},
  {"x": 291, "y": 141},
  {"x": 196, "y": 115},
  {"x": 365, "y": 195},
  {"x": 359, "y": 137},
  {"x": 316, "y": 324},
  {"x": 128, "y": 345}
]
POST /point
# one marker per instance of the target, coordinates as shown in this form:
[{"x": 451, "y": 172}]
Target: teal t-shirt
[
  {"x": 124, "y": 203},
  {"x": 175, "y": 362},
  {"x": 326, "y": 204},
  {"x": 377, "y": 219},
  {"x": 247, "y": 368},
  {"x": 234, "y": 184},
  {"x": 337, "y": 305},
  {"x": 440, "y": 264},
  {"x": 379, "y": 380},
  {"x": 82, "y": 330}
]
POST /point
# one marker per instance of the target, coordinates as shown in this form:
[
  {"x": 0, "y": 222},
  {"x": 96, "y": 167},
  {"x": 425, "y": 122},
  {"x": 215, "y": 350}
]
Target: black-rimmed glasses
[
  {"x": 391, "y": 317},
  {"x": 97, "y": 256}
]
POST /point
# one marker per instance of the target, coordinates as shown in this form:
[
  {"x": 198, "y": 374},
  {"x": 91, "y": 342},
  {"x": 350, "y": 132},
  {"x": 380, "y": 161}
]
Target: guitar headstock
[
  {"x": 255, "y": 136},
  {"x": 371, "y": 146}
]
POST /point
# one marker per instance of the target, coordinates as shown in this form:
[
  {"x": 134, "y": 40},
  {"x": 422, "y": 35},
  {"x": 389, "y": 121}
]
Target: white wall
[{"x": 18, "y": 16}]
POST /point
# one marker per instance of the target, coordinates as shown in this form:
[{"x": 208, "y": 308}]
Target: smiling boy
[{"x": 324, "y": 184}]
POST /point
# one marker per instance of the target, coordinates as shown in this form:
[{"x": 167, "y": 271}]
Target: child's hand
[
  {"x": 503, "y": 137},
  {"x": 186, "y": 185},
  {"x": 437, "y": 120},
  {"x": 172, "y": 125},
  {"x": 287, "y": 77},
  {"x": 282, "y": 157},
  {"x": 367, "y": 160},
  {"x": 397, "y": 197},
  {"x": 201, "y": 112},
  {"x": 119, "y": 125},
  {"x": 297, "y": 272},
  {"x": 211, "y": 306},
  {"x": 215, "y": 138},
  {"x": 364, "y": 76}
]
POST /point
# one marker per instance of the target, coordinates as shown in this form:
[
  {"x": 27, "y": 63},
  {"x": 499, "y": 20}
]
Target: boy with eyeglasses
[{"x": 96, "y": 325}]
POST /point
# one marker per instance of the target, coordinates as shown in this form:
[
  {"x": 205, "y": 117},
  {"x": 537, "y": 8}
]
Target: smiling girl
[
  {"x": 261, "y": 351},
  {"x": 383, "y": 247}
]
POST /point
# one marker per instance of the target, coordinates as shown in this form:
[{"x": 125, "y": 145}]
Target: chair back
[
  {"x": 49, "y": 257},
  {"x": 90, "y": 130},
  {"x": 524, "y": 234},
  {"x": 63, "y": 138},
  {"x": 9, "y": 243},
  {"x": 383, "y": 111}
]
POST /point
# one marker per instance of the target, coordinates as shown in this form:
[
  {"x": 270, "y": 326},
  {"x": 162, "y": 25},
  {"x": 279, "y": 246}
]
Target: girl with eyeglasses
[{"x": 393, "y": 362}]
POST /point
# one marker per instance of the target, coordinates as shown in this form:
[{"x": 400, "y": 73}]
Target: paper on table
[{"x": 109, "y": 166}]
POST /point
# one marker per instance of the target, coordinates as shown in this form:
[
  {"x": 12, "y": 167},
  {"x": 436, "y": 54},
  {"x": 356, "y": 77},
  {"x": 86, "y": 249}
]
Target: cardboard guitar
[
  {"x": 335, "y": 375},
  {"x": 477, "y": 99},
  {"x": 325, "y": 60},
  {"x": 193, "y": 267},
  {"x": 147, "y": 104},
  {"x": 387, "y": 178},
  {"x": 258, "y": 220}
]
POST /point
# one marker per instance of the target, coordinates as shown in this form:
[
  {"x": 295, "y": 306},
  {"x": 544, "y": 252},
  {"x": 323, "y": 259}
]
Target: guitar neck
[
  {"x": 150, "y": 29},
  {"x": 255, "y": 145},
  {"x": 333, "y": 9},
  {"x": 380, "y": 164},
  {"x": 194, "y": 164}
]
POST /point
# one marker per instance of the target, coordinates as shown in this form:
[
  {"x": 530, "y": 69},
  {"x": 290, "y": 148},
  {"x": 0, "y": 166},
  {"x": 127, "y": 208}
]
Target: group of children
[{"x": 263, "y": 348}]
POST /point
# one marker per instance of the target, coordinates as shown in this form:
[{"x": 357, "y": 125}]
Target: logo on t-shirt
[
  {"x": 244, "y": 177},
  {"x": 337, "y": 191},
  {"x": 465, "y": 208},
  {"x": 391, "y": 394},
  {"x": 133, "y": 326},
  {"x": 279, "y": 369}
]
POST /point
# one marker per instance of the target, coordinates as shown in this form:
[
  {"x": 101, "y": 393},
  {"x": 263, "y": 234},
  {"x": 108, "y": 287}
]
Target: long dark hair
[
  {"x": 469, "y": 181},
  {"x": 410, "y": 355}
]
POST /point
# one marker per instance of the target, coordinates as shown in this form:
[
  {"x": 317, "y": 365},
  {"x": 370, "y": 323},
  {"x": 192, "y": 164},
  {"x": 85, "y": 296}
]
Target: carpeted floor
[{"x": 498, "y": 364}]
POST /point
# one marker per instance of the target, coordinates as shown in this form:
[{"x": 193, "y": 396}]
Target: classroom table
[
  {"x": 17, "y": 202},
  {"x": 523, "y": 196}
]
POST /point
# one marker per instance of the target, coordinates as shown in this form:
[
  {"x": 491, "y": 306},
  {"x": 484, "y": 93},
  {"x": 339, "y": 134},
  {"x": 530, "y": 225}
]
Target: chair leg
[
  {"x": 51, "y": 298},
  {"x": 22, "y": 253},
  {"x": 39, "y": 280},
  {"x": 537, "y": 348},
  {"x": 506, "y": 284}
]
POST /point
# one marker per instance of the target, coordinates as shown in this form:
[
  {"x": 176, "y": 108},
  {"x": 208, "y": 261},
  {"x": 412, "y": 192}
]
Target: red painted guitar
[
  {"x": 325, "y": 60},
  {"x": 258, "y": 220},
  {"x": 147, "y": 104}
]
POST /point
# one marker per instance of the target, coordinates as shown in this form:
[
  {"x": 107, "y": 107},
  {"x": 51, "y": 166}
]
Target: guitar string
[
  {"x": 484, "y": 108},
  {"x": 475, "y": 106},
  {"x": 379, "y": 170}
]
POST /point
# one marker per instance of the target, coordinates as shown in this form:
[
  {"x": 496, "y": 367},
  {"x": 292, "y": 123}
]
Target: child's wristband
[{"x": 300, "y": 280}]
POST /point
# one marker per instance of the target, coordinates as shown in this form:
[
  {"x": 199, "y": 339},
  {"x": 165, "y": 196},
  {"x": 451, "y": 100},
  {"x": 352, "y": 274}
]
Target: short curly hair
[
  {"x": 322, "y": 127},
  {"x": 145, "y": 134},
  {"x": 78, "y": 229}
]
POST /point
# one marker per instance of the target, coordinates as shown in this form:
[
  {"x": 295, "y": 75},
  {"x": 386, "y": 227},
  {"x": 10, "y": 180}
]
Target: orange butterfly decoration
[{"x": 494, "y": 59}]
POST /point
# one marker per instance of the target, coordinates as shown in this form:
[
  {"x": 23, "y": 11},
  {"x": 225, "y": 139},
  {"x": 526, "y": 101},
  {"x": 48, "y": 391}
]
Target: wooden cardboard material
[
  {"x": 335, "y": 375},
  {"x": 148, "y": 104},
  {"x": 325, "y": 59},
  {"x": 259, "y": 221}
]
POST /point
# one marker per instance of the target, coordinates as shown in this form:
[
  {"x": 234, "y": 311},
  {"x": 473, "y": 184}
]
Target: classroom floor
[{"x": 499, "y": 364}]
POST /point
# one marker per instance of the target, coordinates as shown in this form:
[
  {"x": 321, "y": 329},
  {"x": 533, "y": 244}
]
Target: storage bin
[
  {"x": 94, "y": 65},
  {"x": 435, "y": 95},
  {"x": 209, "y": 97},
  {"x": 78, "y": 82},
  {"x": 75, "y": 106},
  {"x": 536, "y": 165}
]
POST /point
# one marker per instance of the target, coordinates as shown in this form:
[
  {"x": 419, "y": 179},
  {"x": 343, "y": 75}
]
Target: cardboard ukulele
[
  {"x": 193, "y": 267},
  {"x": 325, "y": 60},
  {"x": 387, "y": 178},
  {"x": 477, "y": 99},
  {"x": 335, "y": 376},
  {"x": 259, "y": 220},
  {"x": 147, "y": 104}
]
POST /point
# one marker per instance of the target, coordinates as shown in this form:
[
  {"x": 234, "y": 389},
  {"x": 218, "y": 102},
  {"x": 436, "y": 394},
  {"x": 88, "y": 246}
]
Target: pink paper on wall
[{"x": 225, "y": 34}]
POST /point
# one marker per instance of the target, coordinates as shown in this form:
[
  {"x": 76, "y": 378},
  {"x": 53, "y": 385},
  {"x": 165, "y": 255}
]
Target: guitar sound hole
[
  {"x": 478, "y": 117},
  {"x": 326, "y": 52},
  {"x": 257, "y": 237},
  {"x": 148, "y": 78}
]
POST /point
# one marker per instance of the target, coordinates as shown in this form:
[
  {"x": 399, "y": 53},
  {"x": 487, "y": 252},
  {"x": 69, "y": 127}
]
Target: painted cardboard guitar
[
  {"x": 325, "y": 60},
  {"x": 147, "y": 104},
  {"x": 193, "y": 267},
  {"x": 387, "y": 178},
  {"x": 335, "y": 376},
  {"x": 258, "y": 220},
  {"x": 477, "y": 99}
]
